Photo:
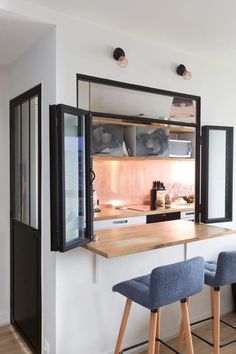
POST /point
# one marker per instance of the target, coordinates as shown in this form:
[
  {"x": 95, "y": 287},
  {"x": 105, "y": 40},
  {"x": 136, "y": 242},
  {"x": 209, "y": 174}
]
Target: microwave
[{"x": 180, "y": 148}]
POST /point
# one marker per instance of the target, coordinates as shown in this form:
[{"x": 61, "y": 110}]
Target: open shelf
[
  {"x": 123, "y": 158},
  {"x": 172, "y": 128}
]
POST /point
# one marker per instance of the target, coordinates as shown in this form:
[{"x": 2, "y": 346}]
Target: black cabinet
[{"x": 162, "y": 217}]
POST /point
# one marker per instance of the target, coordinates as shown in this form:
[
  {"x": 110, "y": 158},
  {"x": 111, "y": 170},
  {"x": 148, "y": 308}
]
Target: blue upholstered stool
[
  {"x": 218, "y": 274},
  {"x": 165, "y": 285}
]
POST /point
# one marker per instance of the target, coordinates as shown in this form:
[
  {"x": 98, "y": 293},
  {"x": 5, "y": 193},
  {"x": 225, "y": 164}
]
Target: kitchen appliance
[{"x": 180, "y": 148}]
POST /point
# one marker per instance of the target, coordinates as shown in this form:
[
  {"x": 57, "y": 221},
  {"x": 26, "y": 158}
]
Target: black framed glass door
[
  {"x": 217, "y": 174},
  {"x": 71, "y": 184},
  {"x": 25, "y": 188}
]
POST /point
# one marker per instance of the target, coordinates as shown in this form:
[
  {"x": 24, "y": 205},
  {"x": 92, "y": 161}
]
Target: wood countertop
[
  {"x": 110, "y": 212},
  {"x": 134, "y": 239}
]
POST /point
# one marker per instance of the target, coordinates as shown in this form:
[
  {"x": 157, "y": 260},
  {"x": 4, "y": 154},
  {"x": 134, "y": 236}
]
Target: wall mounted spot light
[
  {"x": 119, "y": 55},
  {"x": 182, "y": 71}
]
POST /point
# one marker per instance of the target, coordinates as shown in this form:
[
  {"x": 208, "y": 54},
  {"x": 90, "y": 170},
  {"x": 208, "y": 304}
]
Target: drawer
[
  {"x": 162, "y": 217},
  {"x": 188, "y": 215},
  {"x": 121, "y": 222}
]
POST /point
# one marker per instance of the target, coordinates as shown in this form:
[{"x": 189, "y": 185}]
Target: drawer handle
[{"x": 120, "y": 222}]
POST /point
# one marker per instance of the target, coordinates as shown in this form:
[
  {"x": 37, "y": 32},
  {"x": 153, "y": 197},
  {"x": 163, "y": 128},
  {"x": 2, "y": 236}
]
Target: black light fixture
[
  {"x": 119, "y": 56},
  {"x": 182, "y": 71}
]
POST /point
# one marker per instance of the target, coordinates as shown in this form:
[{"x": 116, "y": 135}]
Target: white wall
[
  {"x": 5, "y": 201},
  {"x": 37, "y": 66},
  {"x": 89, "y": 313}
]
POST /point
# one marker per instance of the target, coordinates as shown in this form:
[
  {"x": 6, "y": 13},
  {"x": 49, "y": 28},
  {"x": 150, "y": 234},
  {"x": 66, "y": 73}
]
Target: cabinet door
[
  {"x": 216, "y": 174},
  {"x": 71, "y": 186}
]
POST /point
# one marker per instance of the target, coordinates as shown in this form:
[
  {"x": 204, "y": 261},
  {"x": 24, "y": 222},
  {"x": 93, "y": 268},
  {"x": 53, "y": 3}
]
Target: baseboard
[{"x": 4, "y": 319}]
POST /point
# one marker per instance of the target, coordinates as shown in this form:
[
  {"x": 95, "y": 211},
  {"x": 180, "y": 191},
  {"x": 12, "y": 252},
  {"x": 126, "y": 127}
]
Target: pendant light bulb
[{"x": 187, "y": 75}]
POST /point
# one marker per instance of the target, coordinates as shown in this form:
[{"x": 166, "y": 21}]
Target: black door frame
[{"x": 35, "y": 91}]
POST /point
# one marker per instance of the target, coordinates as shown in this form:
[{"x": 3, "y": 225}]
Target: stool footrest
[
  {"x": 228, "y": 324},
  {"x": 168, "y": 346},
  {"x": 146, "y": 342},
  {"x": 224, "y": 344}
]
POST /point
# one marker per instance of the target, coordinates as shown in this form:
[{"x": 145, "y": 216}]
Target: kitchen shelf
[
  {"x": 171, "y": 128},
  {"x": 123, "y": 158}
]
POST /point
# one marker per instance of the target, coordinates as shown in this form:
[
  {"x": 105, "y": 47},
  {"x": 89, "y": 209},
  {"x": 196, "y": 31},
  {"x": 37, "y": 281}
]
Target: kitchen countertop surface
[
  {"x": 134, "y": 239},
  {"x": 110, "y": 212}
]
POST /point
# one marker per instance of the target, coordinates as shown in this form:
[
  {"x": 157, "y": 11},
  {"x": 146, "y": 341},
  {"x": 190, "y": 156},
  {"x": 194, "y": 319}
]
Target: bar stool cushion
[
  {"x": 222, "y": 272},
  {"x": 136, "y": 289},
  {"x": 166, "y": 284}
]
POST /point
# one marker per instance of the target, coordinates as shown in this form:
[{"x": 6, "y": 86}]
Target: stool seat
[
  {"x": 136, "y": 289},
  {"x": 222, "y": 272},
  {"x": 165, "y": 285},
  {"x": 210, "y": 273},
  {"x": 216, "y": 275}
]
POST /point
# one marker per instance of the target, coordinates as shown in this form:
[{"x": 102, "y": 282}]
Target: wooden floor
[
  {"x": 205, "y": 331},
  {"x": 11, "y": 343}
]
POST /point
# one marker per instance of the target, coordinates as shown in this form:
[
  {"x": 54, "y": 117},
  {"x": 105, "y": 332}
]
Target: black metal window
[
  {"x": 26, "y": 186},
  {"x": 71, "y": 192},
  {"x": 217, "y": 174}
]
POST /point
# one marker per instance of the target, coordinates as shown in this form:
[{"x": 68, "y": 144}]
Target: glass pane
[
  {"x": 34, "y": 162},
  {"x": 17, "y": 167},
  {"x": 217, "y": 176},
  {"x": 116, "y": 100},
  {"x": 74, "y": 181},
  {"x": 25, "y": 163}
]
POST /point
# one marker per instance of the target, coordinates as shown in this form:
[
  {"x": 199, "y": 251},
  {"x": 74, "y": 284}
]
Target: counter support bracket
[{"x": 96, "y": 268}]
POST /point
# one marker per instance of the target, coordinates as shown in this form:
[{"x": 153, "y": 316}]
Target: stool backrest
[
  {"x": 226, "y": 268},
  {"x": 176, "y": 281}
]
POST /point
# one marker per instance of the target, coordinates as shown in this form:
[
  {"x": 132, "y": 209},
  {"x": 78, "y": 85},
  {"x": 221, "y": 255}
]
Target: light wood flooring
[
  {"x": 11, "y": 343},
  {"x": 205, "y": 331}
]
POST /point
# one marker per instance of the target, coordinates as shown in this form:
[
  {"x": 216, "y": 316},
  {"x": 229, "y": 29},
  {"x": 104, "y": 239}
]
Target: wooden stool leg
[
  {"x": 123, "y": 326},
  {"x": 152, "y": 332},
  {"x": 158, "y": 331},
  {"x": 186, "y": 326},
  {"x": 216, "y": 320},
  {"x": 181, "y": 333}
]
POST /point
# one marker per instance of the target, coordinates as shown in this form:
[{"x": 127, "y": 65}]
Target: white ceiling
[
  {"x": 17, "y": 34},
  {"x": 198, "y": 26}
]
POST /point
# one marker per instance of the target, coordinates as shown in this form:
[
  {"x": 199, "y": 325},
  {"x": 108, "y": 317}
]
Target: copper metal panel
[{"x": 129, "y": 181}]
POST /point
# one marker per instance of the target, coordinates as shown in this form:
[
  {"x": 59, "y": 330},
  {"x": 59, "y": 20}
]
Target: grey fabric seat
[
  {"x": 218, "y": 274},
  {"x": 222, "y": 272},
  {"x": 166, "y": 284}
]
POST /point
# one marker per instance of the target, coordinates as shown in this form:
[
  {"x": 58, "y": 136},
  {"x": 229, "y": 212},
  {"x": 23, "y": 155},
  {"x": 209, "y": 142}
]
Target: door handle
[{"x": 93, "y": 176}]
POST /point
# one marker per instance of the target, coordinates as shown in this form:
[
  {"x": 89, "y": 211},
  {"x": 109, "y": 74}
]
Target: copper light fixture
[
  {"x": 182, "y": 71},
  {"x": 119, "y": 56}
]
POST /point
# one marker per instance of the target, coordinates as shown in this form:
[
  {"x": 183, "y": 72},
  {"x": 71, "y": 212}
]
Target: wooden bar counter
[
  {"x": 134, "y": 239},
  {"x": 110, "y": 212}
]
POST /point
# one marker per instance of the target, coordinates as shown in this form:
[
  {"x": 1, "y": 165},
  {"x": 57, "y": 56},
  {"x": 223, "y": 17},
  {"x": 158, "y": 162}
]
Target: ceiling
[
  {"x": 202, "y": 26},
  {"x": 17, "y": 34}
]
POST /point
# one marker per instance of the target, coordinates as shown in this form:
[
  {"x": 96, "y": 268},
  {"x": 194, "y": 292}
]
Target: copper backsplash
[{"x": 129, "y": 181}]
